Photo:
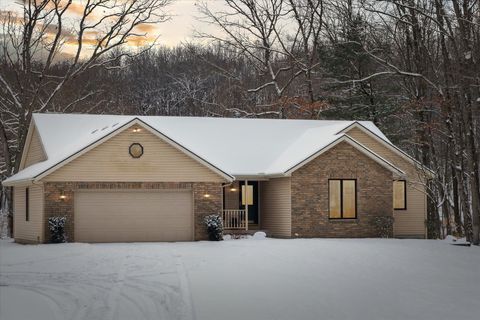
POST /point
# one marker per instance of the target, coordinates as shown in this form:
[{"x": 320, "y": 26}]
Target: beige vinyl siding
[
  {"x": 111, "y": 161},
  {"x": 276, "y": 207},
  {"x": 133, "y": 215},
  {"x": 410, "y": 222},
  {"x": 32, "y": 230},
  {"x": 384, "y": 152},
  {"x": 34, "y": 151}
]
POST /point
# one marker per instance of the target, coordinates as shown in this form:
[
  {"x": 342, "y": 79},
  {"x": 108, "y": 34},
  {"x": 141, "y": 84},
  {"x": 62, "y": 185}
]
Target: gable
[
  {"x": 111, "y": 161},
  {"x": 383, "y": 151},
  {"x": 343, "y": 160},
  {"x": 345, "y": 139},
  {"x": 34, "y": 152}
]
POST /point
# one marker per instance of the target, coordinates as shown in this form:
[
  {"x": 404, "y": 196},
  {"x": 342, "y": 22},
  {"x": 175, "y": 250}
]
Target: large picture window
[
  {"x": 342, "y": 194},
  {"x": 400, "y": 195}
]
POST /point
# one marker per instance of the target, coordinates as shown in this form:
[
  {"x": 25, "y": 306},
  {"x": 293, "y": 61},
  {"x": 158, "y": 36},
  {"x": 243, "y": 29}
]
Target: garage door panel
[{"x": 125, "y": 216}]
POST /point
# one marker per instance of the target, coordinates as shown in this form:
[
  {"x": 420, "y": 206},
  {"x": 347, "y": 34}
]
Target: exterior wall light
[
  {"x": 206, "y": 195},
  {"x": 63, "y": 196},
  {"x": 136, "y": 129},
  {"x": 233, "y": 189}
]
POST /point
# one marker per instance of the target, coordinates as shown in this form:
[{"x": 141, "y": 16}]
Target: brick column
[
  {"x": 203, "y": 206},
  {"x": 54, "y": 206}
]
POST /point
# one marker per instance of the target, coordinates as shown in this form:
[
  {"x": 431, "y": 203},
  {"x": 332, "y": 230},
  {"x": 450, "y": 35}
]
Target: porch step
[{"x": 253, "y": 226}]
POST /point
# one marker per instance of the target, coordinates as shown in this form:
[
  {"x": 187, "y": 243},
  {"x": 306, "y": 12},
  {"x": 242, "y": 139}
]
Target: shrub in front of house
[
  {"x": 214, "y": 227},
  {"x": 384, "y": 226},
  {"x": 57, "y": 229}
]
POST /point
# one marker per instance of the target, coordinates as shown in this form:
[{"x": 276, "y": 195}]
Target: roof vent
[
  {"x": 104, "y": 128},
  {"x": 94, "y": 131}
]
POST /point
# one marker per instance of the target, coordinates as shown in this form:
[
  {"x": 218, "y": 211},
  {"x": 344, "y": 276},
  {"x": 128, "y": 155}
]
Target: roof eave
[
  {"x": 345, "y": 138},
  {"x": 128, "y": 124},
  {"x": 178, "y": 146},
  {"x": 389, "y": 145},
  {"x": 14, "y": 182}
]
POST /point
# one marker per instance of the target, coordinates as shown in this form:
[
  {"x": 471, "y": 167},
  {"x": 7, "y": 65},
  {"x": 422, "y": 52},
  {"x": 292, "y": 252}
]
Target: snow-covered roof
[{"x": 238, "y": 147}]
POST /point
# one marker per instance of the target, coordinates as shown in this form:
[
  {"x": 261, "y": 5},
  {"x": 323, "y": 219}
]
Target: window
[
  {"x": 342, "y": 194},
  {"x": 247, "y": 195},
  {"x": 27, "y": 205},
  {"x": 400, "y": 195}
]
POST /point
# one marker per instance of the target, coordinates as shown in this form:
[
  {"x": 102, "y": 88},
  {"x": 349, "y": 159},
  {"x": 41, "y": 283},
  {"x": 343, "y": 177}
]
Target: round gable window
[{"x": 136, "y": 150}]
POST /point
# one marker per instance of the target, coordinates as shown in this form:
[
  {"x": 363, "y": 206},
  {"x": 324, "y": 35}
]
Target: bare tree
[
  {"x": 51, "y": 44},
  {"x": 256, "y": 29},
  {"x": 436, "y": 52}
]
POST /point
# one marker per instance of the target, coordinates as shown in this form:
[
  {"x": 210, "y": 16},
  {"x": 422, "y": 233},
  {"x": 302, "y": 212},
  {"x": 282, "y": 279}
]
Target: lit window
[
  {"x": 399, "y": 195},
  {"x": 342, "y": 198},
  {"x": 248, "y": 197}
]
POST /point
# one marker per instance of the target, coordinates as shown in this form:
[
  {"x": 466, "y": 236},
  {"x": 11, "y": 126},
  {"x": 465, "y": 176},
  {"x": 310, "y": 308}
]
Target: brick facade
[
  {"x": 309, "y": 192},
  {"x": 310, "y": 217},
  {"x": 202, "y": 206}
]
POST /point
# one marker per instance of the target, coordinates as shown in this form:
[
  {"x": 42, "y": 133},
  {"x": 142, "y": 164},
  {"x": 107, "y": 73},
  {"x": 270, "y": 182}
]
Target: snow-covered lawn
[{"x": 241, "y": 279}]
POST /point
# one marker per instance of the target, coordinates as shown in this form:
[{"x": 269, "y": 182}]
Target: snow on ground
[{"x": 241, "y": 279}]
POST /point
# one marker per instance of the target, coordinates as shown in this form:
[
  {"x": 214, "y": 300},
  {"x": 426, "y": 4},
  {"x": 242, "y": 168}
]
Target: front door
[{"x": 250, "y": 195}]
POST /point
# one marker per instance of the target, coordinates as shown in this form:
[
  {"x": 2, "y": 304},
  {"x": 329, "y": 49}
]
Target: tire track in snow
[
  {"x": 65, "y": 292},
  {"x": 186, "y": 294},
  {"x": 53, "y": 305},
  {"x": 156, "y": 287},
  {"x": 115, "y": 292}
]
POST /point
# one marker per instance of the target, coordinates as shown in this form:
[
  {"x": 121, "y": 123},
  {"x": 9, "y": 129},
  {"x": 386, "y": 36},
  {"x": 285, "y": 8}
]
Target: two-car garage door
[{"x": 126, "y": 216}]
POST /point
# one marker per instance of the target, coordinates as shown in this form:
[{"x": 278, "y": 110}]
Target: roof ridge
[{"x": 189, "y": 117}]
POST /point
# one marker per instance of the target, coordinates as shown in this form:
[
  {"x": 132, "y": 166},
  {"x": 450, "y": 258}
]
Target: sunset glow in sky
[{"x": 179, "y": 29}]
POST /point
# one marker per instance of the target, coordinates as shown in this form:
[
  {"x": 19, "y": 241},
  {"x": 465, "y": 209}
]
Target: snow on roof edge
[{"x": 24, "y": 175}]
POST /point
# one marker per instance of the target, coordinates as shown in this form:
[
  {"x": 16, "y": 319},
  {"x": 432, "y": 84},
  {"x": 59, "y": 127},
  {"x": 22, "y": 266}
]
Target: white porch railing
[{"x": 234, "y": 219}]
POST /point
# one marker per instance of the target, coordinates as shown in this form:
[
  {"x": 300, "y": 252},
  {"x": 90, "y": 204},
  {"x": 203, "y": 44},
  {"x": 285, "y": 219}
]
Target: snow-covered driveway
[{"x": 241, "y": 279}]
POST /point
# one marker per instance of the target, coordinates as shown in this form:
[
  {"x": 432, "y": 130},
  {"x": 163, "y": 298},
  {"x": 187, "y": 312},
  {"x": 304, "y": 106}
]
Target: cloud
[
  {"x": 74, "y": 8},
  {"x": 140, "y": 41},
  {"x": 146, "y": 28},
  {"x": 52, "y": 29},
  {"x": 89, "y": 38},
  {"x": 8, "y": 16}
]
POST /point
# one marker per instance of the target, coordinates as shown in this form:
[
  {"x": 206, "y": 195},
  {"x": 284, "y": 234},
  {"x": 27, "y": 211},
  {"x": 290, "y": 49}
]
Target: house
[{"x": 128, "y": 178}]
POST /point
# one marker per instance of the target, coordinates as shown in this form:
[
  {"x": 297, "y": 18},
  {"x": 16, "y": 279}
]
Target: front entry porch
[{"x": 241, "y": 210}]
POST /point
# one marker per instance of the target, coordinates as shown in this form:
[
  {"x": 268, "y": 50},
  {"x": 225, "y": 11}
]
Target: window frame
[
  {"x": 27, "y": 204},
  {"x": 404, "y": 194},
  {"x": 341, "y": 199}
]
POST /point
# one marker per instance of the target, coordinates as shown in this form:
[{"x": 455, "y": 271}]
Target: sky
[{"x": 179, "y": 29}]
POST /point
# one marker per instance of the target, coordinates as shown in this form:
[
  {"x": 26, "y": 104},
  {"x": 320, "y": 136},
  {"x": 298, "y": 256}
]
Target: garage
[{"x": 129, "y": 216}]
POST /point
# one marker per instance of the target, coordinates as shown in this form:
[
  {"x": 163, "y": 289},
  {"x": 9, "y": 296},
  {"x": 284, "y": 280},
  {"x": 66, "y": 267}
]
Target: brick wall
[
  {"x": 204, "y": 206},
  {"x": 54, "y": 206},
  {"x": 310, "y": 194}
]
